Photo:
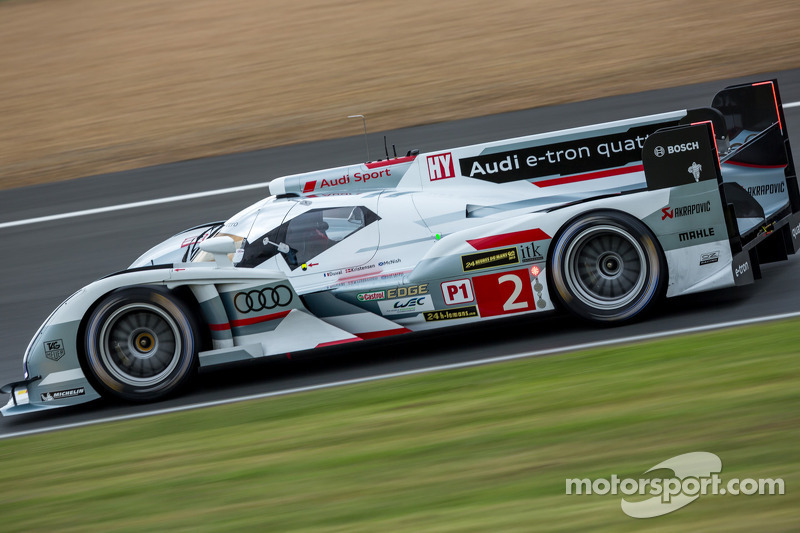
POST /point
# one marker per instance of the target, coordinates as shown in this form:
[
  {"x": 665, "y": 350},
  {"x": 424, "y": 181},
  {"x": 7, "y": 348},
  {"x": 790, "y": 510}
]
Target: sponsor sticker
[
  {"x": 457, "y": 292},
  {"x": 54, "y": 349},
  {"x": 451, "y": 314},
  {"x": 696, "y": 234},
  {"x": 694, "y": 169},
  {"x": 440, "y": 166},
  {"x": 402, "y": 306},
  {"x": 685, "y": 210},
  {"x": 742, "y": 269},
  {"x": 263, "y": 299},
  {"x": 766, "y": 190},
  {"x": 495, "y": 258},
  {"x": 567, "y": 158},
  {"x": 371, "y": 296},
  {"x": 504, "y": 293},
  {"x": 62, "y": 394},
  {"x": 708, "y": 258},
  {"x": 412, "y": 290},
  {"x": 531, "y": 252}
]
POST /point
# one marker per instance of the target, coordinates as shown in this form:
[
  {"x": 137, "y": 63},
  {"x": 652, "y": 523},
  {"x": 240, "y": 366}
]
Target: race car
[{"x": 601, "y": 221}]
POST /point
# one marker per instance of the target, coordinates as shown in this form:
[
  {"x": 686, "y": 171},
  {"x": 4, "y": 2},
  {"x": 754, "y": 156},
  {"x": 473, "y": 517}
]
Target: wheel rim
[
  {"x": 140, "y": 344},
  {"x": 606, "y": 267}
]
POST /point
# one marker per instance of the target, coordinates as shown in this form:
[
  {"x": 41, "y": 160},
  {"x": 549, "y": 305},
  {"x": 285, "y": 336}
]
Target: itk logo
[
  {"x": 694, "y": 170},
  {"x": 530, "y": 252},
  {"x": 667, "y": 213},
  {"x": 694, "y": 474},
  {"x": 440, "y": 166}
]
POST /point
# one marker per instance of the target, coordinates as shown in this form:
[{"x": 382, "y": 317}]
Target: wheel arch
[
  {"x": 182, "y": 293},
  {"x": 552, "y": 288}
]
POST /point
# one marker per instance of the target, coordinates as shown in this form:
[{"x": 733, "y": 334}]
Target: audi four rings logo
[{"x": 264, "y": 299}]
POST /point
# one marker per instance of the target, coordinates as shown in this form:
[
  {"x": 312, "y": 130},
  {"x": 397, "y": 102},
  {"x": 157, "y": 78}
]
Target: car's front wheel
[
  {"x": 607, "y": 267},
  {"x": 140, "y": 344}
]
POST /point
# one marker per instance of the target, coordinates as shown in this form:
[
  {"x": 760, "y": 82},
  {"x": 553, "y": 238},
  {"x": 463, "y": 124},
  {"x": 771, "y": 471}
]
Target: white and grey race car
[{"x": 600, "y": 221}]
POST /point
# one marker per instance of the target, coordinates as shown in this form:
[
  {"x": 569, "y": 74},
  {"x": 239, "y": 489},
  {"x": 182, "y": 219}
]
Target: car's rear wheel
[
  {"x": 140, "y": 344},
  {"x": 607, "y": 267}
]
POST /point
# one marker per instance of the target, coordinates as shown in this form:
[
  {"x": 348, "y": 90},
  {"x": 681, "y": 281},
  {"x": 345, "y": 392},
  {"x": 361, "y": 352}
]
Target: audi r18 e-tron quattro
[{"x": 600, "y": 221}]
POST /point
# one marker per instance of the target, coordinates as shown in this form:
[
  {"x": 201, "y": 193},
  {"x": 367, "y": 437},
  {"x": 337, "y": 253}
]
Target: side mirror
[
  {"x": 219, "y": 247},
  {"x": 281, "y": 246}
]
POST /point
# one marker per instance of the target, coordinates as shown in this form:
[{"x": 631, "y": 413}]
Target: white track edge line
[
  {"x": 437, "y": 368},
  {"x": 144, "y": 203},
  {"x": 169, "y": 199}
]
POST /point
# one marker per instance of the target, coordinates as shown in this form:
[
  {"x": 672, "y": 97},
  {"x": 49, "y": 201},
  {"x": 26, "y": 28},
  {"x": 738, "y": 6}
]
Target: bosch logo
[
  {"x": 685, "y": 147},
  {"x": 659, "y": 151},
  {"x": 262, "y": 300},
  {"x": 741, "y": 269}
]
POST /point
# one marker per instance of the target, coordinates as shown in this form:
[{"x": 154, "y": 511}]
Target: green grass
[{"x": 479, "y": 449}]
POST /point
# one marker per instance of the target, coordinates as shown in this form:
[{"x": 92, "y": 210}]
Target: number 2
[{"x": 512, "y": 304}]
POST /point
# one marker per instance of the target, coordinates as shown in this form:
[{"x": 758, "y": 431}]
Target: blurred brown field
[{"x": 93, "y": 86}]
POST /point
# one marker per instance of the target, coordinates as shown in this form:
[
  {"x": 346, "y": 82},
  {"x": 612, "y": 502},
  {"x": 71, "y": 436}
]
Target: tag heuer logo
[{"x": 54, "y": 349}]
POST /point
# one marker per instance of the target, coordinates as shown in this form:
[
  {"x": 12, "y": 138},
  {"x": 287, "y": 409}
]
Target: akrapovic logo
[
  {"x": 660, "y": 151},
  {"x": 686, "y": 210},
  {"x": 764, "y": 190}
]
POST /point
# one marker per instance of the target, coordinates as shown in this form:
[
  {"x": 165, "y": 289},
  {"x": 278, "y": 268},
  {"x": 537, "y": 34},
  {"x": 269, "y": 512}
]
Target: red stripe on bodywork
[
  {"x": 506, "y": 239},
  {"x": 713, "y": 135},
  {"x": 751, "y": 165},
  {"x": 775, "y": 98},
  {"x": 385, "y": 333},
  {"x": 332, "y": 343},
  {"x": 258, "y": 319},
  {"x": 589, "y": 176},
  {"x": 247, "y": 321},
  {"x": 388, "y": 162}
]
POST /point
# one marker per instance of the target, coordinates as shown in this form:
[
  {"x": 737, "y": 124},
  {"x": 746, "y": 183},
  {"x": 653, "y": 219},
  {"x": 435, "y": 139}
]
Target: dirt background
[{"x": 94, "y": 86}]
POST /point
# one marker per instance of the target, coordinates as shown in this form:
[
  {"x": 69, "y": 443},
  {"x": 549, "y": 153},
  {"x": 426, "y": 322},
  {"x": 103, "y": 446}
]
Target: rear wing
[{"x": 737, "y": 175}]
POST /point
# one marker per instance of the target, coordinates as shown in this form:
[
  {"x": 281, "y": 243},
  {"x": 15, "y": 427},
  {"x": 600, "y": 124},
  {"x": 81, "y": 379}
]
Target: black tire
[
  {"x": 607, "y": 267},
  {"x": 140, "y": 344}
]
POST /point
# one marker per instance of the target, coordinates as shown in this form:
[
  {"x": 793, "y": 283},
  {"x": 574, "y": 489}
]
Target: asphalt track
[{"x": 44, "y": 262}]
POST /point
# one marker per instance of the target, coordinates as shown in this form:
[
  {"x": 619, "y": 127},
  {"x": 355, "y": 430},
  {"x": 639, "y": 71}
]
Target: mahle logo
[{"x": 695, "y": 474}]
